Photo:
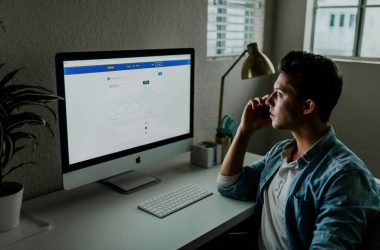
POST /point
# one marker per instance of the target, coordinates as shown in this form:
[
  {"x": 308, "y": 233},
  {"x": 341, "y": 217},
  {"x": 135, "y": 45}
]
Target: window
[
  {"x": 332, "y": 20},
  {"x": 352, "y": 20},
  {"x": 232, "y": 24},
  {"x": 344, "y": 28},
  {"x": 341, "y": 22}
]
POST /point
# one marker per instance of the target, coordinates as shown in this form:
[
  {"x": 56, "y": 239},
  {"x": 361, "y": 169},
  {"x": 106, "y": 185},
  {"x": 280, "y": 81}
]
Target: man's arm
[
  {"x": 233, "y": 161},
  {"x": 251, "y": 121}
]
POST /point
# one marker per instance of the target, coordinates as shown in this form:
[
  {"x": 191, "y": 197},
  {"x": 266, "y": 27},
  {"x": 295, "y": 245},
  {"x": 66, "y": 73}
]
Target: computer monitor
[{"x": 123, "y": 110}]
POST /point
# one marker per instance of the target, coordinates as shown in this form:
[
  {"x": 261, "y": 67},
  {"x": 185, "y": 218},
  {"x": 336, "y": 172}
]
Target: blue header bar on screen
[{"x": 124, "y": 66}]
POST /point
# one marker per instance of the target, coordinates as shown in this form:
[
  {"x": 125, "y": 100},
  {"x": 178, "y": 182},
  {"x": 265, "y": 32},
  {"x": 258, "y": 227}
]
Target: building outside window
[
  {"x": 345, "y": 28},
  {"x": 232, "y": 24}
]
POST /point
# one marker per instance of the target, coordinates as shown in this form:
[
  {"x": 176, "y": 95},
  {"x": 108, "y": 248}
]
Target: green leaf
[
  {"x": 18, "y": 149},
  {"x": 31, "y": 97},
  {"x": 27, "y": 118},
  {"x": 8, "y": 77},
  {"x": 4, "y": 115},
  {"x": 7, "y": 152},
  {"x": 9, "y": 92},
  {"x": 17, "y": 136},
  {"x": 14, "y": 107},
  {"x": 18, "y": 166},
  {"x": 2, "y": 133},
  {"x": 21, "y": 87},
  {"x": 19, "y": 117},
  {"x": 22, "y": 135}
]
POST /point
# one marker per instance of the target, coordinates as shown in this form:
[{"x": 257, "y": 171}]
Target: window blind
[{"x": 232, "y": 24}]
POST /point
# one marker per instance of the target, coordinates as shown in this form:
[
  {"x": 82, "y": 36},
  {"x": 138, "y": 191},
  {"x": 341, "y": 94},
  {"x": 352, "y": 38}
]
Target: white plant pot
[{"x": 10, "y": 206}]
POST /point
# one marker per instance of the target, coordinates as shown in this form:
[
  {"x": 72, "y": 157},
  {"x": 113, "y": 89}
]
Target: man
[{"x": 311, "y": 192}]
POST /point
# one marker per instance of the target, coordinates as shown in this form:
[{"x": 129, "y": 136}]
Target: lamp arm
[{"x": 222, "y": 89}]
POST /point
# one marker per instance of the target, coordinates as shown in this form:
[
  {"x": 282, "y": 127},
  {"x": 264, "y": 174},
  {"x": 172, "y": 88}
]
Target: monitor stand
[{"x": 130, "y": 182}]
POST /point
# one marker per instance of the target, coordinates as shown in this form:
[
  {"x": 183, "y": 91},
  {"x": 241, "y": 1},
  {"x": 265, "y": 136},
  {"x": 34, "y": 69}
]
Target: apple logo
[{"x": 138, "y": 159}]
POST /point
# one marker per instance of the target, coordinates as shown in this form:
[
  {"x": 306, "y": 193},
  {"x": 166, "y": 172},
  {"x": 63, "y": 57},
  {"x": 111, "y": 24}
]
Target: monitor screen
[{"x": 122, "y": 110}]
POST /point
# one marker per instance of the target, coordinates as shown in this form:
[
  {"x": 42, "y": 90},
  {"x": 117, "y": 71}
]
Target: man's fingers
[{"x": 259, "y": 101}]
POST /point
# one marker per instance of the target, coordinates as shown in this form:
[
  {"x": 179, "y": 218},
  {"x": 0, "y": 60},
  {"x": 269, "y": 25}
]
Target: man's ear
[{"x": 309, "y": 107}]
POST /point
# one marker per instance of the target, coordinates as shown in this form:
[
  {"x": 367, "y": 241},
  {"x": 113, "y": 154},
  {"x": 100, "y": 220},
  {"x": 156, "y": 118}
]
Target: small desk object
[{"x": 96, "y": 217}]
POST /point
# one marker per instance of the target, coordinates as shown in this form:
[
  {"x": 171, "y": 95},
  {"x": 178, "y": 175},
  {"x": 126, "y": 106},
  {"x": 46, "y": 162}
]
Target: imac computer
[{"x": 123, "y": 110}]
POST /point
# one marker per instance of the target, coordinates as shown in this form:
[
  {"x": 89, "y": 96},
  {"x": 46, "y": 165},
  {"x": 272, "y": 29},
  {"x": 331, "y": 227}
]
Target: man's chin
[{"x": 276, "y": 125}]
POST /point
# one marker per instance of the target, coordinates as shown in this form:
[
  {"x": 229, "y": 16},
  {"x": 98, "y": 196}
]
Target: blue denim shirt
[{"x": 330, "y": 200}]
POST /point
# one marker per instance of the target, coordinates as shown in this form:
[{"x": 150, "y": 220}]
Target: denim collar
[{"x": 316, "y": 149}]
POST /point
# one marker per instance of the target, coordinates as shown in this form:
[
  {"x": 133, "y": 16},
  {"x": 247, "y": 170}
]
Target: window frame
[{"x": 311, "y": 10}]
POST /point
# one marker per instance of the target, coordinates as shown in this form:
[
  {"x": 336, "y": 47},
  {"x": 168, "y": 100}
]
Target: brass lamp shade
[{"x": 256, "y": 64}]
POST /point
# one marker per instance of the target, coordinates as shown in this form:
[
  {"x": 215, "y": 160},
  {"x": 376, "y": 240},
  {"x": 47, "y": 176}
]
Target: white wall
[
  {"x": 33, "y": 31},
  {"x": 356, "y": 118}
]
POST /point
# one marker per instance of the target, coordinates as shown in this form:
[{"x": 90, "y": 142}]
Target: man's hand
[{"x": 253, "y": 117}]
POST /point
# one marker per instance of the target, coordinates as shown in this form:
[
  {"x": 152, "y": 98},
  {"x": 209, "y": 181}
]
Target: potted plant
[{"x": 15, "y": 116}]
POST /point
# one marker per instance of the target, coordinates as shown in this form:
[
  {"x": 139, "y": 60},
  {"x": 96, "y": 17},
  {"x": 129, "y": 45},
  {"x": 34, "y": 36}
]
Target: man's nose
[{"x": 269, "y": 100}]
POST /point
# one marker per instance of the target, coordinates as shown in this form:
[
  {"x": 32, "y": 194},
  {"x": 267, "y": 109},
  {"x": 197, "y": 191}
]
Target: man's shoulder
[
  {"x": 331, "y": 162},
  {"x": 339, "y": 168},
  {"x": 343, "y": 159}
]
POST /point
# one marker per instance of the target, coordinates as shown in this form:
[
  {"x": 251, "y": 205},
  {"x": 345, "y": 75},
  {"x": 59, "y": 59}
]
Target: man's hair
[{"x": 313, "y": 77}]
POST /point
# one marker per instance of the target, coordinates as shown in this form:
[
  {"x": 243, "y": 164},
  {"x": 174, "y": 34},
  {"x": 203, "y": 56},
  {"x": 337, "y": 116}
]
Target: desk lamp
[{"x": 256, "y": 64}]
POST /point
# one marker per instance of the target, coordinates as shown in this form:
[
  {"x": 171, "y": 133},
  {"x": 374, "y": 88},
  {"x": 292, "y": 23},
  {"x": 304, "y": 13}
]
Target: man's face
[{"x": 285, "y": 109}]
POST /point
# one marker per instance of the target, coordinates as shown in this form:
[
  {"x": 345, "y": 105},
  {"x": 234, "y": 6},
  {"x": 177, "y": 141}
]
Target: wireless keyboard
[{"x": 171, "y": 202}]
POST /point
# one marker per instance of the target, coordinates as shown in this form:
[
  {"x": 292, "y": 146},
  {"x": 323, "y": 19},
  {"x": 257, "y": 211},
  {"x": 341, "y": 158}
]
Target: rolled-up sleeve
[{"x": 247, "y": 185}]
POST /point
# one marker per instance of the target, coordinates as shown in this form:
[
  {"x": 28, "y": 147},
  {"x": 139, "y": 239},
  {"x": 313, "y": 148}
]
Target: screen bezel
[{"x": 72, "y": 56}]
